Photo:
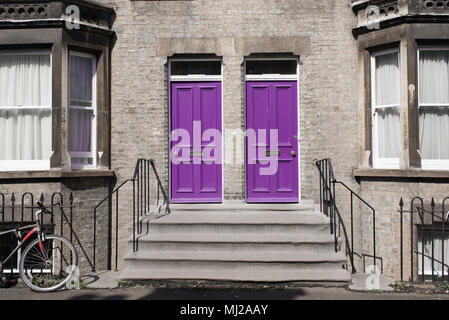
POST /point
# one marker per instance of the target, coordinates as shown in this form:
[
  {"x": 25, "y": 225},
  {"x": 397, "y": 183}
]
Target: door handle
[{"x": 293, "y": 153}]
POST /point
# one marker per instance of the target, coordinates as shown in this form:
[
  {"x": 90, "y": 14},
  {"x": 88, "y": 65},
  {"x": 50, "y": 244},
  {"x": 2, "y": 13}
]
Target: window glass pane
[
  {"x": 434, "y": 132},
  {"x": 25, "y": 126},
  {"x": 81, "y": 76},
  {"x": 183, "y": 68},
  {"x": 80, "y": 130},
  {"x": 271, "y": 67},
  {"x": 438, "y": 239},
  {"x": 387, "y": 79},
  {"x": 389, "y": 143},
  {"x": 434, "y": 77}
]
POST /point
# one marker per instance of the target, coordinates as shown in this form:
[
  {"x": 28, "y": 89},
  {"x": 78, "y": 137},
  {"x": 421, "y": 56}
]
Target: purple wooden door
[
  {"x": 272, "y": 105},
  {"x": 196, "y": 176}
]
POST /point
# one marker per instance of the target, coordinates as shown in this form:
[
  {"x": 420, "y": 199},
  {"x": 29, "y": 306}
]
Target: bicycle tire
[{"x": 26, "y": 256}]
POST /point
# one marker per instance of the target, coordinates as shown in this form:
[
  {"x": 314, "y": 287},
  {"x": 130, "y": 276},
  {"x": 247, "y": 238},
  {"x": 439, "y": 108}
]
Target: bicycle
[{"x": 48, "y": 262}]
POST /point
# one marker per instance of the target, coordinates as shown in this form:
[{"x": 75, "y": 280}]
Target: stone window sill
[
  {"x": 54, "y": 174},
  {"x": 361, "y": 173}
]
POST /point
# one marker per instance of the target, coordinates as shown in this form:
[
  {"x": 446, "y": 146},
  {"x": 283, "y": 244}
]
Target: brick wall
[{"x": 328, "y": 79}]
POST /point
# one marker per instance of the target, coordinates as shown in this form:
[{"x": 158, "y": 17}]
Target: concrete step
[
  {"x": 241, "y": 217},
  {"x": 222, "y": 237},
  {"x": 236, "y": 256},
  {"x": 235, "y": 241},
  {"x": 237, "y": 205},
  {"x": 293, "y": 248},
  {"x": 256, "y": 222},
  {"x": 249, "y": 274},
  {"x": 295, "y": 243}
]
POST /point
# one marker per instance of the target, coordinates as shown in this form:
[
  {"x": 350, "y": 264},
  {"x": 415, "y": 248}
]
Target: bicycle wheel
[{"x": 48, "y": 268}]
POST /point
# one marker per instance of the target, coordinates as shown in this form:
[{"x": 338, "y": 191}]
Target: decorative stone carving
[
  {"x": 434, "y": 4},
  {"x": 388, "y": 9},
  {"x": 23, "y": 11}
]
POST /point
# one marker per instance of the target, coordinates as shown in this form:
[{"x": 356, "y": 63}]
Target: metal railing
[
  {"x": 429, "y": 223},
  {"x": 18, "y": 211},
  {"x": 143, "y": 204},
  {"x": 338, "y": 228}
]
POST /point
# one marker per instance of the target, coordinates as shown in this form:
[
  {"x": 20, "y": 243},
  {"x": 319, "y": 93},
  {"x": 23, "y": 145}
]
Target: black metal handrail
[
  {"x": 433, "y": 221},
  {"x": 141, "y": 203},
  {"x": 329, "y": 207}
]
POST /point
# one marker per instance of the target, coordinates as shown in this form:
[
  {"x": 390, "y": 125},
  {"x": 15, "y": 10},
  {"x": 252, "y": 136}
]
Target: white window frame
[
  {"x": 378, "y": 162},
  {"x": 195, "y": 77},
  {"x": 430, "y": 164},
  {"x": 93, "y": 153},
  {"x": 29, "y": 165}
]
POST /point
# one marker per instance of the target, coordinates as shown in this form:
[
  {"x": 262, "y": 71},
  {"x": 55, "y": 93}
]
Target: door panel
[
  {"x": 272, "y": 106},
  {"x": 198, "y": 176}
]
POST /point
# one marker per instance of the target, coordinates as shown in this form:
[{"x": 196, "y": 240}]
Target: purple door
[
  {"x": 196, "y": 174},
  {"x": 272, "y": 105}
]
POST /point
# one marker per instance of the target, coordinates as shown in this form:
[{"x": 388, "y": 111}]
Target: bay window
[
  {"x": 82, "y": 124},
  {"x": 25, "y": 111},
  {"x": 433, "y": 97},
  {"x": 385, "y": 109}
]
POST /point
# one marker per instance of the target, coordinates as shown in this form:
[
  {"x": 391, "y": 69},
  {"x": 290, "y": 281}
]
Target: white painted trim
[
  {"x": 382, "y": 163},
  {"x": 195, "y": 77},
  {"x": 24, "y": 107},
  {"x": 430, "y": 164},
  {"x": 22, "y": 165},
  {"x": 272, "y": 77},
  {"x": 93, "y": 153},
  {"x": 435, "y": 164},
  {"x": 269, "y": 58}
]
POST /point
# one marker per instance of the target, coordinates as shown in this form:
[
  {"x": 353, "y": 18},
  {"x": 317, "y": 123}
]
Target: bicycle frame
[{"x": 35, "y": 228}]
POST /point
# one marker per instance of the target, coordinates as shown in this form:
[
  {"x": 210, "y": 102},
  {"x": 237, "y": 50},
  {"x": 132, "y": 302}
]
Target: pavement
[
  {"x": 105, "y": 285},
  {"x": 149, "y": 293}
]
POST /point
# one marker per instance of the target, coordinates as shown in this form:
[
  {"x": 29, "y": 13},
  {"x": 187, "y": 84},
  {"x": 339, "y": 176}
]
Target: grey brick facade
[{"x": 332, "y": 103}]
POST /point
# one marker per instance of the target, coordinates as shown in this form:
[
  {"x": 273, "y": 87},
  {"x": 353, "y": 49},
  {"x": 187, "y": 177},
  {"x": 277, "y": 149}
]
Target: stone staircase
[{"x": 235, "y": 241}]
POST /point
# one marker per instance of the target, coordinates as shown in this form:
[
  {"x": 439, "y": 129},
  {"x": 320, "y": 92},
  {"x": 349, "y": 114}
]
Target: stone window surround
[
  {"x": 60, "y": 41},
  {"x": 406, "y": 37}
]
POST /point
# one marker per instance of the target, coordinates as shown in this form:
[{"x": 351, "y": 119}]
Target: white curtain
[
  {"x": 25, "y": 107},
  {"x": 386, "y": 105},
  {"x": 437, "y": 253},
  {"x": 81, "y": 84},
  {"x": 389, "y": 132},
  {"x": 434, "y": 89}
]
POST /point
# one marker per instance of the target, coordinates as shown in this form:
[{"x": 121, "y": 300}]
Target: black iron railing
[
  {"x": 426, "y": 223},
  {"x": 338, "y": 228},
  {"x": 148, "y": 197},
  {"x": 18, "y": 211}
]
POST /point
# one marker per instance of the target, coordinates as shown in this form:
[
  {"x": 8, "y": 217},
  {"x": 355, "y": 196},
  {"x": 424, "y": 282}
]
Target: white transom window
[
  {"x": 25, "y": 111},
  {"x": 83, "y": 107},
  {"x": 385, "y": 109},
  {"x": 433, "y": 95}
]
